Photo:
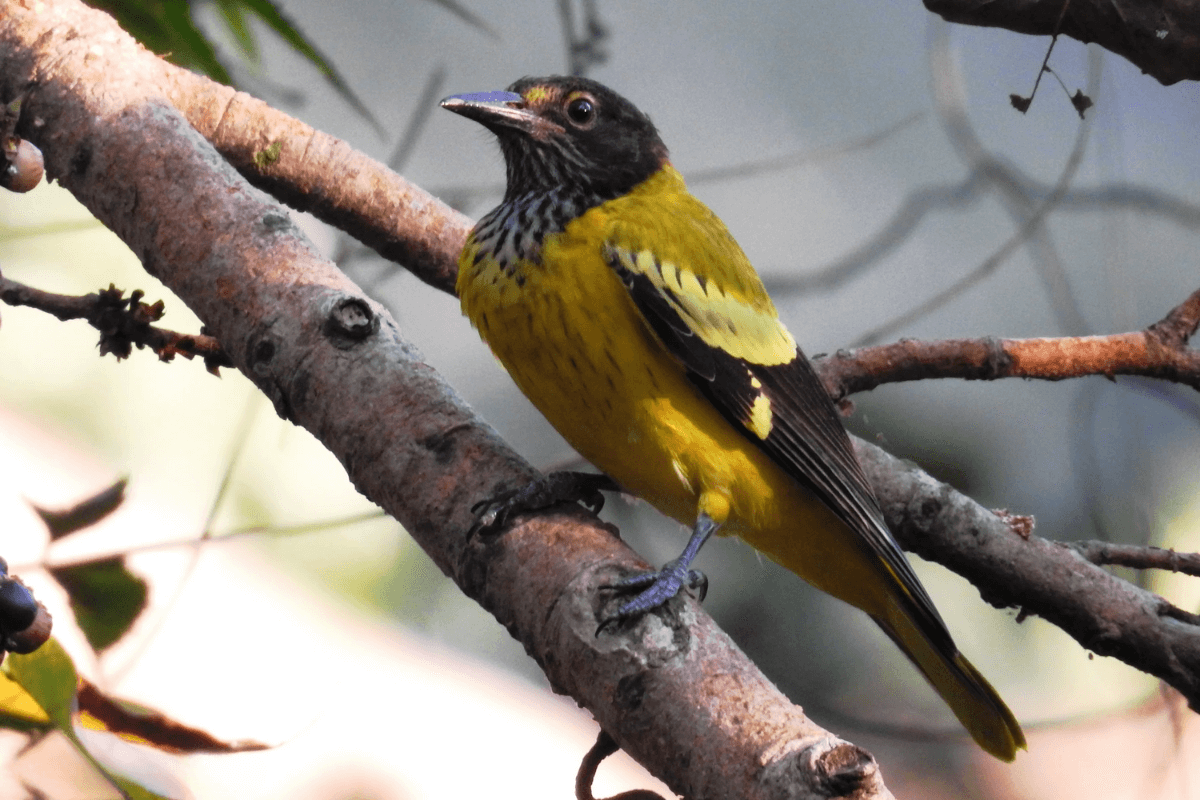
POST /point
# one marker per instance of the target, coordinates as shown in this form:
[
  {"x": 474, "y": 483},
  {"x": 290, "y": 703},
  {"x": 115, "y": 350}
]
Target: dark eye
[{"x": 581, "y": 110}]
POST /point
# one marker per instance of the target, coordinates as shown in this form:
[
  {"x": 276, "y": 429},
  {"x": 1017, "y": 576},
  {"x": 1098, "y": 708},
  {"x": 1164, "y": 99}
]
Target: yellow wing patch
[
  {"x": 761, "y": 419},
  {"x": 719, "y": 319}
]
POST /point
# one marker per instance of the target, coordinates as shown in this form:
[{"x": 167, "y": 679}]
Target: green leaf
[
  {"x": 105, "y": 596},
  {"x": 18, "y": 710},
  {"x": 48, "y": 674}
]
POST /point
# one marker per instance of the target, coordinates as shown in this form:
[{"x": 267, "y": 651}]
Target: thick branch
[
  {"x": 1105, "y": 614},
  {"x": 315, "y": 172},
  {"x": 673, "y": 690},
  {"x": 1162, "y": 38}
]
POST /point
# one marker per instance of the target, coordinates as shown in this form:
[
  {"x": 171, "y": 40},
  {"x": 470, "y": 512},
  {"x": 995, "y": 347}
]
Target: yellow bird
[{"x": 627, "y": 313}]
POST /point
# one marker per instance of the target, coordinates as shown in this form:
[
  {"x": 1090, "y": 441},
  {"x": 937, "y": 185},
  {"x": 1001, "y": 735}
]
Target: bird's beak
[{"x": 496, "y": 110}]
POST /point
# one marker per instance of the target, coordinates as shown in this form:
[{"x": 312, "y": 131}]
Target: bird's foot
[
  {"x": 550, "y": 490},
  {"x": 657, "y": 588}
]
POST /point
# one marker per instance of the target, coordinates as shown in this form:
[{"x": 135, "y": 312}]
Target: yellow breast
[{"x": 573, "y": 341}]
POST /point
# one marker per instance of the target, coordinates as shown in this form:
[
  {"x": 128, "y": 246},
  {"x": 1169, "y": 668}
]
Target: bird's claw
[{"x": 657, "y": 589}]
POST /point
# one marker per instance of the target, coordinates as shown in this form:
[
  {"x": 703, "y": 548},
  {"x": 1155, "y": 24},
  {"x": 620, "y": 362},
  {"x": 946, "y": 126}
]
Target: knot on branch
[
  {"x": 843, "y": 770},
  {"x": 124, "y": 322},
  {"x": 349, "y": 322}
]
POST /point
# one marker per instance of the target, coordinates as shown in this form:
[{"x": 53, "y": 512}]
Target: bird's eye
[{"x": 581, "y": 110}]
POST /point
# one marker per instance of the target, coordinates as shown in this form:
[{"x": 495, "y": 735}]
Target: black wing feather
[
  {"x": 665, "y": 321},
  {"x": 807, "y": 438}
]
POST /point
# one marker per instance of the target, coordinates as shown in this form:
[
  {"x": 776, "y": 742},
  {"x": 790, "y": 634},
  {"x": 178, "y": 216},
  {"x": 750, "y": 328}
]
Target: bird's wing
[{"x": 720, "y": 324}]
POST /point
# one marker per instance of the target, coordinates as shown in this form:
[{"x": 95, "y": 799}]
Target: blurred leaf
[
  {"x": 235, "y": 19},
  {"x": 166, "y": 28},
  {"x": 467, "y": 16},
  {"x": 105, "y": 596},
  {"x": 142, "y": 725},
  {"x": 269, "y": 13},
  {"x": 134, "y": 791},
  {"x": 48, "y": 675},
  {"x": 85, "y": 512},
  {"x": 18, "y": 710}
]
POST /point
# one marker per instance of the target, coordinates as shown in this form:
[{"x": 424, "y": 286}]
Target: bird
[{"x": 624, "y": 309}]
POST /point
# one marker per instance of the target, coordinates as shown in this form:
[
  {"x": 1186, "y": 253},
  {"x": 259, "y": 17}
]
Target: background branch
[
  {"x": 122, "y": 322},
  {"x": 1160, "y": 351},
  {"x": 1161, "y": 38},
  {"x": 1105, "y": 614}
]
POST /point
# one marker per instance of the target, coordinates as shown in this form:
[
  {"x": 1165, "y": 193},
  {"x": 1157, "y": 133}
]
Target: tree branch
[
  {"x": 1161, "y": 38},
  {"x": 1010, "y": 567},
  {"x": 1160, "y": 351},
  {"x": 1138, "y": 557},
  {"x": 321, "y": 174},
  {"x": 122, "y": 322}
]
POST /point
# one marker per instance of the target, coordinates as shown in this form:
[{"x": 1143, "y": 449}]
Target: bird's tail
[{"x": 969, "y": 695}]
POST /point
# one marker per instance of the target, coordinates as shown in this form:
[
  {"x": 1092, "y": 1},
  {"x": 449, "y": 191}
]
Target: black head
[{"x": 566, "y": 132}]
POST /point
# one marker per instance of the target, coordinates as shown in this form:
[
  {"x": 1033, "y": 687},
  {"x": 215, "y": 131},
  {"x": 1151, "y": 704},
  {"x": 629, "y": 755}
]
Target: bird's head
[{"x": 566, "y": 132}]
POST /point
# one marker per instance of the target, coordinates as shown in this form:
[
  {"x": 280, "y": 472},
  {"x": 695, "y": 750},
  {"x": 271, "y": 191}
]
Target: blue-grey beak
[{"x": 499, "y": 110}]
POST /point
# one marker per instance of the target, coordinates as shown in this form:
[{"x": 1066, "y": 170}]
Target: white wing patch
[{"x": 718, "y": 319}]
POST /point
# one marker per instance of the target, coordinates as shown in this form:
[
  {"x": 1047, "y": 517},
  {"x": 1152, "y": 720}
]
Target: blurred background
[{"x": 867, "y": 158}]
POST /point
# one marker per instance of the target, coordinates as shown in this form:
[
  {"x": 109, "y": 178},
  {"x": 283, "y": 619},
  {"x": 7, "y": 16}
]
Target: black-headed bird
[{"x": 629, "y": 316}]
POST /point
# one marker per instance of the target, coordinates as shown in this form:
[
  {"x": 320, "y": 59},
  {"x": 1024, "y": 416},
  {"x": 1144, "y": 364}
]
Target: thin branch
[
  {"x": 1027, "y": 215},
  {"x": 895, "y": 232},
  {"x": 123, "y": 322},
  {"x": 602, "y": 749},
  {"x": 1161, "y": 351},
  {"x": 814, "y": 155},
  {"x": 196, "y": 542},
  {"x": 964, "y": 195},
  {"x": 463, "y": 195},
  {"x": 422, "y": 112},
  {"x": 1025, "y": 200},
  {"x": 1138, "y": 557},
  {"x": 587, "y": 49},
  {"x": 1022, "y": 103}
]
